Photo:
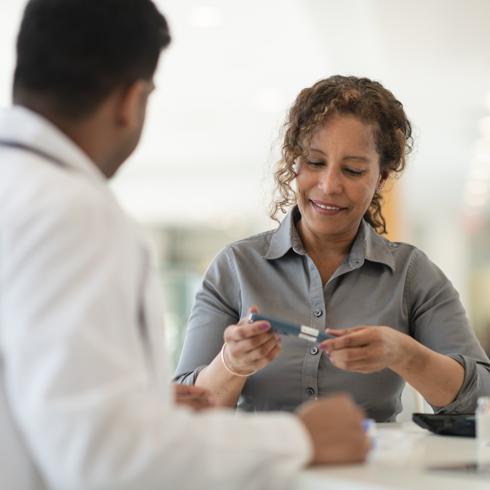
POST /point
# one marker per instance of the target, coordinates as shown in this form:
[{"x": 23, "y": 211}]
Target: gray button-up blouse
[{"x": 379, "y": 283}]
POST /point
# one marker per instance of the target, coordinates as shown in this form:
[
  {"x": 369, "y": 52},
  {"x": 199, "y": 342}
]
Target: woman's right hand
[{"x": 250, "y": 346}]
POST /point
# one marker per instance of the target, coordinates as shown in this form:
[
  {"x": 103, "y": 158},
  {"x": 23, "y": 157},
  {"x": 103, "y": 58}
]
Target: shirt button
[
  {"x": 318, "y": 313},
  {"x": 314, "y": 350},
  {"x": 310, "y": 391}
]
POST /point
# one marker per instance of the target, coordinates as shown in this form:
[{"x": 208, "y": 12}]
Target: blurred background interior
[{"x": 202, "y": 174}]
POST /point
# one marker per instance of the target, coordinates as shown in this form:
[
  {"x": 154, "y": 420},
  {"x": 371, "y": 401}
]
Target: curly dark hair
[{"x": 366, "y": 99}]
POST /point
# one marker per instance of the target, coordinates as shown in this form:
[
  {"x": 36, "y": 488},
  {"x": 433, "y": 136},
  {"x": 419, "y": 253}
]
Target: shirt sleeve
[
  {"x": 217, "y": 305},
  {"x": 438, "y": 320},
  {"x": 78, "y": 381}
]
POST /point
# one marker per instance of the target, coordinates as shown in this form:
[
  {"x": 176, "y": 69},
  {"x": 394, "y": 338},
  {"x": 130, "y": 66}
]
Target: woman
[{"x": 394, "y": 316}]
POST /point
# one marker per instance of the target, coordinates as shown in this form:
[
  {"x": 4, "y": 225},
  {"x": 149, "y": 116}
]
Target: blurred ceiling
[{"x": 235, "y": 67}]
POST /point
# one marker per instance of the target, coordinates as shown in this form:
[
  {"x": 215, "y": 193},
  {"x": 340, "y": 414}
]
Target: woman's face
[{"x": 337, "y": 178}]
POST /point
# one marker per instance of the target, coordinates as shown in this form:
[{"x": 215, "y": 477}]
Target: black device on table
[
  {"x": 464, "y": 468},
  {"x": 447, "y": 424}
]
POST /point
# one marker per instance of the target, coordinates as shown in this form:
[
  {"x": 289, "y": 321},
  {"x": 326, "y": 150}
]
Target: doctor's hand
[
  {"x": 367, "y": 349},
  {"x": 192, "y": 397},
  {"x": 250, "y": 346},
  {"x": 335, "y": 428}
]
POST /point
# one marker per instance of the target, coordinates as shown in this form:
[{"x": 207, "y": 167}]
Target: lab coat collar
[{"x": 21, "y": 125}]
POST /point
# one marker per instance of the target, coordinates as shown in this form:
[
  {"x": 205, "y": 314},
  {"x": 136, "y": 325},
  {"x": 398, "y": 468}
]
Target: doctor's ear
[{"x": 131, "y": 105}]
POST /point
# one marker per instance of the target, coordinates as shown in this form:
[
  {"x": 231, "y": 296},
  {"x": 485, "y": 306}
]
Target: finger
[
  {"x": 245, "y": 320},
  {"x": 180, "y": 390},
  {"x": 241, "y": 359},
  {"x": 352, "y": 354},
  {"x": 354, "y": 339},
  {"x": 201, "y": 407},
  {"x": 191, "y": 398},
  {"x": 267, "y": 358},
  {"x": 234, "y": 333},
  {"x": 260, "y": 352},
  {"x": 191, "y": 390},
  {"x": 249, "y": 346},
  {"x": 252, "y": 309},
  {"x": 262, "y": 363},
  {"x": 340, "y": 332},
  {"x": 335, "y": 332},
  {"x": 196, "y": 403},
  {"x": 362, "y": 366},
  {"x": 274, "y": 352},
  {"x": 265, "y": 350}
]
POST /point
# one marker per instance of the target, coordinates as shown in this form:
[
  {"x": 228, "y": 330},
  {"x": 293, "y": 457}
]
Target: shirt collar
[
  {"x": 368, "y": 245},
  {"x": 285, "y": 237},
  {"x": 21, "y": 125}
]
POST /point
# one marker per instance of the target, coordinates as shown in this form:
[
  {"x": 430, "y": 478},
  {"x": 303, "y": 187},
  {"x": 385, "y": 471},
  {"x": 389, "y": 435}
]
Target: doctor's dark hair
[
  {"x": 363, "y": 98},
  {"x": 72, "y": 54}
]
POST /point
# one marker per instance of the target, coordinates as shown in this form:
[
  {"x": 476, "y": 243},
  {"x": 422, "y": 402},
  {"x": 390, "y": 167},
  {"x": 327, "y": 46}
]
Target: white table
[{"x": 400, "y": 460}]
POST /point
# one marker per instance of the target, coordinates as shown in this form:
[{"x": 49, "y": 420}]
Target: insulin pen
[{"x": 285, "y": 328}]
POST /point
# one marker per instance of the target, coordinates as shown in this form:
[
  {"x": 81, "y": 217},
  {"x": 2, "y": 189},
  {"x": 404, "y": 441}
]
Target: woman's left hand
[{"x": 367, "y": 349}]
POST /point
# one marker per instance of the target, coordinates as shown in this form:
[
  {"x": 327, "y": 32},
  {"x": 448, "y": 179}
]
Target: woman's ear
[
  {"x": 383, "y": 177},
  {"x": 296, "y": 166}
]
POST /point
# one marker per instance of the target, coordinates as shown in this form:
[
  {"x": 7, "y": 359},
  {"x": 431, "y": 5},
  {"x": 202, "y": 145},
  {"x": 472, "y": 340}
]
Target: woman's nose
[{"x": 330, "y": 181}]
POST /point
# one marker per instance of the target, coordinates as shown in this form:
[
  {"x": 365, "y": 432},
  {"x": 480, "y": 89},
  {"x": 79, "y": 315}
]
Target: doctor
[{"x": 85, "y": 401}]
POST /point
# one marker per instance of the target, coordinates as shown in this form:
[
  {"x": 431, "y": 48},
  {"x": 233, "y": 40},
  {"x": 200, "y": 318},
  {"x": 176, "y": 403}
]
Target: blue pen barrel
[
  {"x": 277, "y": 325},
  {"x": 285, "y": 328}
]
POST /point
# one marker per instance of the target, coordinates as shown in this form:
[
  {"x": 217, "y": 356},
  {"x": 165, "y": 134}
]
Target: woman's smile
[{"x": 326, "y": 208}]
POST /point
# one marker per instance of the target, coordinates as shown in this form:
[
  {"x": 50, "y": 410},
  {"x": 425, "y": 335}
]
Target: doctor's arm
[{"x": 91, "y": 409}]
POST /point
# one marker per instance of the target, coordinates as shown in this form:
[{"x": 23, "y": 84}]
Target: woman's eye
[
  {"x": 353, "y": 172},
  {"x": 314, "y": 163}
]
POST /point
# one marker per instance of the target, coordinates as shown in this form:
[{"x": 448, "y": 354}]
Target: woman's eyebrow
[
  {"x": 316, "y": 149},
  {"x": 357, "y": 158}
]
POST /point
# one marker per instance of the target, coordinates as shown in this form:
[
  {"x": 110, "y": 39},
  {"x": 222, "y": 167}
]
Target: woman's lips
[{"x": 328, "y": 209}]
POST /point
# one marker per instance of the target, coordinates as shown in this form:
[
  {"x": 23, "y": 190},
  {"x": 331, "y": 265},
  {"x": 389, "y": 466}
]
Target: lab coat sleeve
[{"x": 78, "y": 379}]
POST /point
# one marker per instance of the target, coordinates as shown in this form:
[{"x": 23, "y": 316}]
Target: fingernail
[{"x": 264, "y": 326}]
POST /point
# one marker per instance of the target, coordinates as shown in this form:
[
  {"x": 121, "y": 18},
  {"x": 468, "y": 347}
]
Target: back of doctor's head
[{"x": 72, "y": 54}]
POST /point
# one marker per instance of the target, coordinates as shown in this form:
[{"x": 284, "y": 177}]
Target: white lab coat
[{"x": 84, "y": 387}]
